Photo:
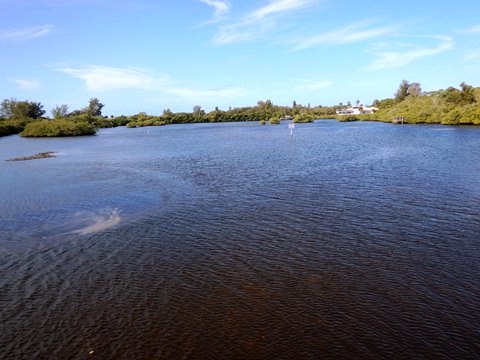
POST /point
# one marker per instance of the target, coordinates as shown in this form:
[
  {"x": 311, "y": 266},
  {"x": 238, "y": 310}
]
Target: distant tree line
[{"x": 450, "y": 106}]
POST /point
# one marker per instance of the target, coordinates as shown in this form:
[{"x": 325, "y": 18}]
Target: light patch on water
[{"x": 100, "y": 222}]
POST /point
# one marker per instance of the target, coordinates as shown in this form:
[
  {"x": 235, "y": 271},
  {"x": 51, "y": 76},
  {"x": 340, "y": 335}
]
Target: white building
[{"x": 357, "y": 110}]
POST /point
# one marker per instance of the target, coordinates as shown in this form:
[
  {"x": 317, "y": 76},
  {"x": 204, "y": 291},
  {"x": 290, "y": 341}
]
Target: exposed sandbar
[{"x": 42, "y": 155}]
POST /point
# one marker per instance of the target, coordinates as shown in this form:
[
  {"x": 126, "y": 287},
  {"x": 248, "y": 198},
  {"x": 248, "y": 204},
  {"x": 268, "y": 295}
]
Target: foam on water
[{"x": 98, "y": 223}]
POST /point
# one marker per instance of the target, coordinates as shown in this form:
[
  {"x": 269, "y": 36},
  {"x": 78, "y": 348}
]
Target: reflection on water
[{"x": 223, "y": 241}]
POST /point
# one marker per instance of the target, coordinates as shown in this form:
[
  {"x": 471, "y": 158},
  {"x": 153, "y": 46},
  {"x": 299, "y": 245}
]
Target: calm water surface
[{"x": 222, "y": 241}]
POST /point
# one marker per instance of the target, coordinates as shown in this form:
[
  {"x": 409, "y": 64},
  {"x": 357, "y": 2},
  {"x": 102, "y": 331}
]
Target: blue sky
[{"x": 148, "y": 55}]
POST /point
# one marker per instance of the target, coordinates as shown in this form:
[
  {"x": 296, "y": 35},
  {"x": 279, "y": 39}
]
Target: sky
[{"x": 150, "y": 55}]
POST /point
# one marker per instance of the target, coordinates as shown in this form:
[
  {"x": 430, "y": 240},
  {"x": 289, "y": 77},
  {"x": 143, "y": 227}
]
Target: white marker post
[{"x": 291, "y": 127}]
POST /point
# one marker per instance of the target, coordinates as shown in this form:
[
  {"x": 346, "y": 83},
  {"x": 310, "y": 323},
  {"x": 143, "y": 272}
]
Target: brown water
[{"x": 231, "y": 241}]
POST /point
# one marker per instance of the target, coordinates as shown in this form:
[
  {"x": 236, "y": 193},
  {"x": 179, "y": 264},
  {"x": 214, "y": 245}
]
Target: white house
[{"x": 357, "y": 110}]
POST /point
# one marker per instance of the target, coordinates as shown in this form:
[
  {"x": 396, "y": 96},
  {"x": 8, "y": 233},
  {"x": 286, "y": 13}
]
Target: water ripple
[{"x": 230, "y": 241}]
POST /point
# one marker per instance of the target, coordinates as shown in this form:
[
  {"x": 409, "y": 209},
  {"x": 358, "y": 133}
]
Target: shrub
[
  {"x": 274, "y": 120},
  {"x": 452, "y": 118},
  {"x": 153, "y": 121},
  {"x": 7, "y": 129},
  {"x": 14, "y": 126},
  {"x": 304, "y": 118},
  {"x": 61, "y": 127}
]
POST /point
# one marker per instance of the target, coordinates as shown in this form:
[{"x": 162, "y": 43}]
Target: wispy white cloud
[
  {"x": 258, "y": 22},
  {"x": 27, "y": 84},
  {"x": 471, "y": 30},
  {"x": 221, "y": 9},
  {"x": 242, "y": 32},
  {"x": 401, "y": 56},
  {"x": 348, "y": 34},
  {"x": 312, "y": 85},
  {"x": 104, "y": 78},
  {"x": 275, "y": 7},
  {"x": 24, "y": 34}
]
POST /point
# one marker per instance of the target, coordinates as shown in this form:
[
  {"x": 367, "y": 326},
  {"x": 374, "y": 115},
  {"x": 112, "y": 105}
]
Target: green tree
[
  {"x": 60, "y": 111},
  {"x": 451, "y": 95},
  {"x": 198, "y": 113},
  {"x": 264, "y": 109},
  {"x": 414, "y": 89},
  {"x": 6, "y": 108},
  {"x": 402, "y": 91},
  {"x": 142, "y": 116},
  {"x": 467, "y": 95},
  {"x": 13, "y": 109},
  {"x": 461, "y": 97},
  {"x": 94, "y": 107},
  {"x": 386, "y": 103},
  {"x": 28, "y": 109}
]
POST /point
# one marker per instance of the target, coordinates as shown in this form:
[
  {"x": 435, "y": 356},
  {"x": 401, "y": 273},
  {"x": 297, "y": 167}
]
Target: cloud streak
[
  {"x": 25, "y": 34},
  {"x": 349, "y": 34},
  {"x": 221, "y": 9},
  {"x": 104, "y": 78},
  {"x": 241, "y": 32},
  {"x": 472, "y": 30},
  {"x": 258, "y": 22},
  {"x": 398, "y": 58},
  {"x": 275, "y": 7}
]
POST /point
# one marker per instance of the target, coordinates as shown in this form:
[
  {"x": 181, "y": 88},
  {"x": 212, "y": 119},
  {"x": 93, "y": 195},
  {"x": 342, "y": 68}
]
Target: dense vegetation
[
  {"x": 58, "y": 127},
  {"x": 15, "y": 115},
  {"x": 451, "y": 106},
  {"x": 27, "y": 118},
  {"x": 9, "y": 127}
]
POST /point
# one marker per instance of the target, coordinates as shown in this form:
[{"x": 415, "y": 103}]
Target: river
[{"x": 222, "y": 241}]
